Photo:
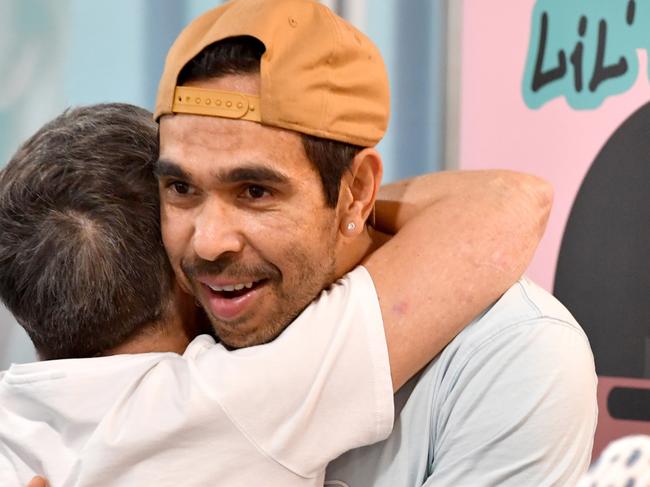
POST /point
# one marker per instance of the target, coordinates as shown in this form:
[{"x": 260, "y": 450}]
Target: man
[
  {"x": 510, "y": 402},
  {"x": 83, "y": 270},
  {"x": 475, "y": 266}
]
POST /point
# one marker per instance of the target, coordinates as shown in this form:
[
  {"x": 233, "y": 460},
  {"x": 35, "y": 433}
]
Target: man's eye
[
  {"x": 179, "y": 187},
  {"x": 256, "y": 192}
]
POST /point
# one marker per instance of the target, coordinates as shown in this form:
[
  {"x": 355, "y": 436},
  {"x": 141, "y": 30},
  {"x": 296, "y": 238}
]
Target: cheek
[
  {"x": 269, "y": 229},
  {"x": 174, "y": 245},
  {"x": 313, "y": 238},
  {"x": 175, "y": 231},
  {"x": 275, "y": 236}
]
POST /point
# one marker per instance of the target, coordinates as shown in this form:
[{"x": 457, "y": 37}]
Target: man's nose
[{"x": 217, "y": 230}]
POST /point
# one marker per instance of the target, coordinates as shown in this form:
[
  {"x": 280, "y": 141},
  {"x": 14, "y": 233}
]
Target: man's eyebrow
[
  {"x": 165, "y": 168},
  {"x": 253, "y": 173}
]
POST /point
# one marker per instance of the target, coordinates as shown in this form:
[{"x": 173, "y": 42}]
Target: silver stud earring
[{"x": 352, "y": 226}]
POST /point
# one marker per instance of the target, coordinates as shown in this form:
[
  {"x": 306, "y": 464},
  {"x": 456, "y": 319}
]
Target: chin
[{"x": 233, "y": 340}]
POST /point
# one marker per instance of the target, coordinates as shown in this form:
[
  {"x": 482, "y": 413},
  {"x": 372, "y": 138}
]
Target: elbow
[
  {"x": 525, "y": 203},
  {"x": 540, "y": 196},
  {"x": 530, "y": 197}
]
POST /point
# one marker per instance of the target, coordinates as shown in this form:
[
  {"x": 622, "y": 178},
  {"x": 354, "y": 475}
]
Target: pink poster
[{"x": 560, "y": 89}]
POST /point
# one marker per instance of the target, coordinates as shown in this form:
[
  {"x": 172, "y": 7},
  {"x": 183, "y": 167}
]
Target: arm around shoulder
[{"x": 462, "y": 239}]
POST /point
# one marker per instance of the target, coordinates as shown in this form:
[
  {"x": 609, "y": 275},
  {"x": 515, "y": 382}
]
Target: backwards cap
[{"x": 319, "y": 75}]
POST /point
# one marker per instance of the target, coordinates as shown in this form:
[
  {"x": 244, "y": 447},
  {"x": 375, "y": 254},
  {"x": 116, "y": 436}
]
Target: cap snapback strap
[{"x": 216, "y": 103}]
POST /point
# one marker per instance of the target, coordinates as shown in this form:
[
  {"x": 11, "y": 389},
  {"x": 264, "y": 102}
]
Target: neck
[
  {"x": 352, "y": 252},
  {"x": 155, "y": 338},
  {"x": 182, "y": 322}
]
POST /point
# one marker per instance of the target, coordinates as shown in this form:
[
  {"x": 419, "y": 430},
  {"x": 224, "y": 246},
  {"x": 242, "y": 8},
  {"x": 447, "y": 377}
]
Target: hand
[{"x": 38, "y": 482}]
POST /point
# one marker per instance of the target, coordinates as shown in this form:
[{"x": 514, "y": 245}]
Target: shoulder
[
  {"x": 198, "y": 346},
  {"x": 356, "y": 288},
  {"x": 526, "y": 303},
  {"x": 349, "y": 302},
  {"x": 524, "y": 310},
  {"x": 520, "y": 378},
  {"x": 526, "y": 335},
  {"x": 8, "y": 473}
]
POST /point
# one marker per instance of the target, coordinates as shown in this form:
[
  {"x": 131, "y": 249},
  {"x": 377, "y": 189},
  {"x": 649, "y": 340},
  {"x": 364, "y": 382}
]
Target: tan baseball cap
[{"x": 319, "y": 74}]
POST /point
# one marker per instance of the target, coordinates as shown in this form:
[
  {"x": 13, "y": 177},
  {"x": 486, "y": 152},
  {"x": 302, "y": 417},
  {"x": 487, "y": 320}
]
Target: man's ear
[{"x": 359, "y": 187}]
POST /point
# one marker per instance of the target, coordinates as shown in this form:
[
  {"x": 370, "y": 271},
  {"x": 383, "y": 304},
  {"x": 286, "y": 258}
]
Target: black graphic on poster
[{"x": 603, "y": 271}]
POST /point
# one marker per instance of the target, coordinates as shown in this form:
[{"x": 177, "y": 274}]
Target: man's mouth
[
  {"x": 233, "y": 290},
  {"x": 229, "y": 301}
]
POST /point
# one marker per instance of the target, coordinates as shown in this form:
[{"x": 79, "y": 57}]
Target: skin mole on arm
[{"x": 401, "y": 307}]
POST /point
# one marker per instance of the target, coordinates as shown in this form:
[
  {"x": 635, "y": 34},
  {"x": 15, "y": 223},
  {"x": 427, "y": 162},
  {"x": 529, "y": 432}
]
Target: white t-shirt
[{"x": 273, "y": 414}]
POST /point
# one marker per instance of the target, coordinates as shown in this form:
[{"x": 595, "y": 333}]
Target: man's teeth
[{"x": 234, "y": 287}]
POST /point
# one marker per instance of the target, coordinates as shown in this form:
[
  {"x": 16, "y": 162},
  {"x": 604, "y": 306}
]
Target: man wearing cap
[
  {"x": 83, "y": 269},
  {"x": 254, "y": 95},
  {"x": 265, "y": 201}
]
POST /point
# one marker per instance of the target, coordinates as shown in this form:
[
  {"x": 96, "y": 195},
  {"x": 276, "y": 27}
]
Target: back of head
[{"x": 82, "y": 266}]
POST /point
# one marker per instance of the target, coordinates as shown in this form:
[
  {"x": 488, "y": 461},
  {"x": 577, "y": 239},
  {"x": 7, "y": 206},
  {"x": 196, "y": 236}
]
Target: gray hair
[{"x": 82, "y": 265}]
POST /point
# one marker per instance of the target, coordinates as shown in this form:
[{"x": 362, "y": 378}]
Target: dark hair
[
  {"x": 242, "y": 55},
  {"x": 82, "y": 265}
]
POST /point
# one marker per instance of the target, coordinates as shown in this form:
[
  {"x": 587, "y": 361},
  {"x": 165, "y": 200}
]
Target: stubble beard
[
  {"x": 292, "y": 293},
  {"x": 291, "y": 298}
]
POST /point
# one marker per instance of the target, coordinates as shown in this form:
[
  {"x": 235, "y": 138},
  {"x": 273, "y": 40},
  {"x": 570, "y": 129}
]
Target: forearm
[
  {"x": 399, "y": 202},
  {"x": 462, "y": 239}
]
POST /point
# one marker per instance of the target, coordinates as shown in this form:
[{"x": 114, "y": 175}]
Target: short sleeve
[
  {"x": 521, "y": 411},
  {"x": 8, "y": 474},
  {"x": 321, "y": 388}
]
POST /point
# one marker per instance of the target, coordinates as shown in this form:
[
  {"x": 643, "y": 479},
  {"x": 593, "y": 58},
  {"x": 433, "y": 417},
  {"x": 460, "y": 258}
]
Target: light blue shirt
[{"x": 511, "y": 401}]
